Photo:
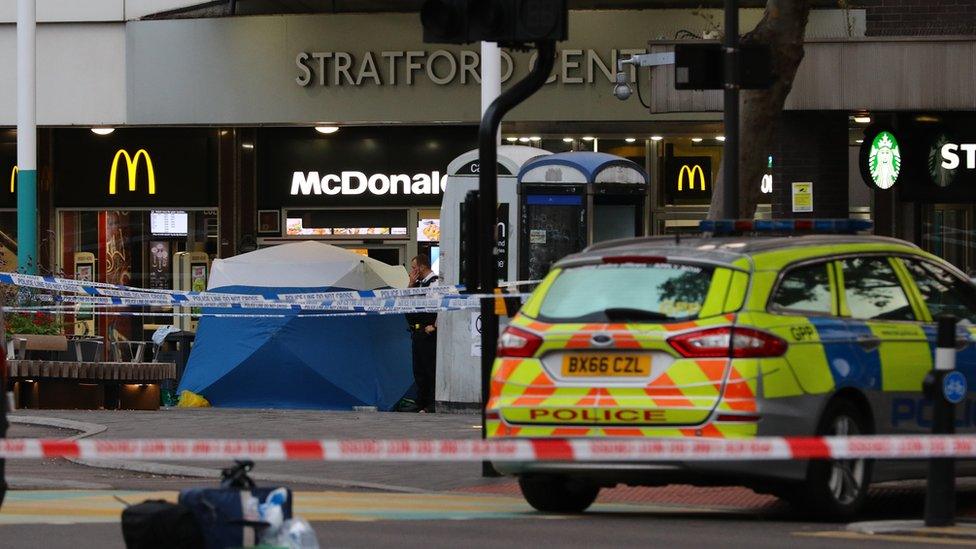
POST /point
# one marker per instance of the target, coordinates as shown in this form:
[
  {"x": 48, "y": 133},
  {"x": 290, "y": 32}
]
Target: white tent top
[{"x": 306, "y": 264}]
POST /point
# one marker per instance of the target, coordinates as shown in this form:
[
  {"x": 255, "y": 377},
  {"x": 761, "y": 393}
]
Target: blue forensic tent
[{"x": 300, "y": 362}]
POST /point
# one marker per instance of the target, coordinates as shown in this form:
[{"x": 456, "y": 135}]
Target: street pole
[
  {"x": 27, "y": 260},
  {"x": 491, "y": 77},
  {"x": 488, "y": 206},
  {"x": 730, "y": 196},
  {"x": 945, "y": 387}
]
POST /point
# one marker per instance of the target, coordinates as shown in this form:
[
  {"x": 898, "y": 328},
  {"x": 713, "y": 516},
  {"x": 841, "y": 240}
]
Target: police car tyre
[
  {"x": 837, "y": 489},
  {"x": 558, "y": 494}
]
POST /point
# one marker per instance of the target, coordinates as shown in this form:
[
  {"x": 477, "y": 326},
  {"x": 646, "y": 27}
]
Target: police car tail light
[
  {"x": 728, "y": 342},
  {"x": 516, "y": 343}
]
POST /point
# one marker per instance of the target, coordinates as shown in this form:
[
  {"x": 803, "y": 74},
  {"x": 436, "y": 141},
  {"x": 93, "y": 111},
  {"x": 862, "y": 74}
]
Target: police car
[{"x": 730, "y": 336}]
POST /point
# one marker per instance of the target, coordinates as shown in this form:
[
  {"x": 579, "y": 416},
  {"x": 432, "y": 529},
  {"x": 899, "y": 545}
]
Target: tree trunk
[{"x": 782, "y": 27}]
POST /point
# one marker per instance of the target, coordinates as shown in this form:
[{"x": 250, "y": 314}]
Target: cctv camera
[{"x": 621, "y": 90}]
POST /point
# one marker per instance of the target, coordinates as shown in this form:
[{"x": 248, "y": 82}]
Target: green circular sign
[
  {"x": 884, "y": 160},
  {"x": 942, "y": 177}
]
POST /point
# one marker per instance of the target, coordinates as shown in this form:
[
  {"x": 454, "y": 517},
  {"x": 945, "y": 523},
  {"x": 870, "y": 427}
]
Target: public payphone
[
  {"x": 84, "y": 322},
  {"x": 570, "y": 200},
  {"x": 459, "y": 340},
  {"x": 190, "y": 273}
]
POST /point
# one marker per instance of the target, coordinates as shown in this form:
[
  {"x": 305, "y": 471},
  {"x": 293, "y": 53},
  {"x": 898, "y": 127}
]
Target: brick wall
[
  {"x": 812, "y": 146},
  {"x": 919, "y": 17}
]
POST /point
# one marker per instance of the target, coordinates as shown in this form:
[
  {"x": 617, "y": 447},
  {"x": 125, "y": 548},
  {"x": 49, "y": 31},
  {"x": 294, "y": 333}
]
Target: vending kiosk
[
  {"x": 84, "y": 322},
  {"x": 459, "y": 333},
  {"x": 570, "y": 200},
  {"x": 190, "y": 273}
]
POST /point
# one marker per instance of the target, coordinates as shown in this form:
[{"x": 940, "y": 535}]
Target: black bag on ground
[{"x": 158, "y": 524}]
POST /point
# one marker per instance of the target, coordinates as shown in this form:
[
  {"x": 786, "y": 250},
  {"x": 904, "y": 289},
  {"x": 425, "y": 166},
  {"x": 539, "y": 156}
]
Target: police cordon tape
[
  {"x": 512, "y": 449},
  {"x": 405, "y": 300}
]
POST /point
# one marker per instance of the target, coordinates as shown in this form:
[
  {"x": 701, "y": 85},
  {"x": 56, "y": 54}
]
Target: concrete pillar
[
  {"x": 491, "y": 77},
  {"x": 812, "y": 146},
  {"x": 27, "y": 258}
]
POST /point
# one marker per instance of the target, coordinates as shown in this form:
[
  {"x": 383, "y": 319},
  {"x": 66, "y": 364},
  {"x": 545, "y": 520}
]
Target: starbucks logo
[
  {"x": 884, "y": 160},
  {"x": 941, "y": 175}
]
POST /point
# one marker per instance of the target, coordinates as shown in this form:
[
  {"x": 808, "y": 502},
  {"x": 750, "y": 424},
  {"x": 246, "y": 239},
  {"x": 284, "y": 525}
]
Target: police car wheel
[
  {"x": 557, "y": 494},
  {"x": 837, "y": 489}
]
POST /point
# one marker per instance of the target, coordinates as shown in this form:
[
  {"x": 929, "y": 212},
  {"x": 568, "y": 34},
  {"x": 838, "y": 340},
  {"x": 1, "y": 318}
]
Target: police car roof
[{"x": 723, "y": 249}]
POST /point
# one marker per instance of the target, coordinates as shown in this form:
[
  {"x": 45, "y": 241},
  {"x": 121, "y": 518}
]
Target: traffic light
[
  {"x": 508, "y": 22},
  {"x": 701, "y": 67}
]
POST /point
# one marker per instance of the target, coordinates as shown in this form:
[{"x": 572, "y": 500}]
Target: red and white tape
[{"x": 629, "y": 449}]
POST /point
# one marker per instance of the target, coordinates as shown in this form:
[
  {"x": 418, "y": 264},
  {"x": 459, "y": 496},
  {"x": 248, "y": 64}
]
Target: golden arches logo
[
  {"x": 13, "y": 179},
  {"x": 132, "y": 167},
  {"x": 692, "y": 172}
]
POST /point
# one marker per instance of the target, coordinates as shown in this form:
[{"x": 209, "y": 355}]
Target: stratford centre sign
[{"x": 446, "y": 67}]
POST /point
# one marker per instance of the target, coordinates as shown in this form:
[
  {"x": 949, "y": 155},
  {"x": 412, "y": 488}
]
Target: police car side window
[
  {"x": 873, "y": 291},
  {"x": 804, "y": 289},
  {"x": 943, "y": 292}
]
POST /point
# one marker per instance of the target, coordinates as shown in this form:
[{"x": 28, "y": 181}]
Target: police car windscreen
[{"x": 657, "y": 292}]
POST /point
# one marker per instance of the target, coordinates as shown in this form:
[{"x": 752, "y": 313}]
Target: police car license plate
[{"x": 606, "y": 365}]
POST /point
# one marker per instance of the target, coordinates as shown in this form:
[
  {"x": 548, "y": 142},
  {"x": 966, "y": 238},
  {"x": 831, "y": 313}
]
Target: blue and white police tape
[{"x": 65, "y": 285}]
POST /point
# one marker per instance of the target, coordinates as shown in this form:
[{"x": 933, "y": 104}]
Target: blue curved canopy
[{"x": 590, "y": 164}]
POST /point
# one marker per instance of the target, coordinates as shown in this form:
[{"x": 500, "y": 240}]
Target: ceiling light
[
  {"x": 696, "y": 140},
  {"x": 247, "y": 145},
  {"x": 326, "y": 129},
  {"x": 589, "y": 138},
  {"x": 656, "y": 138},
  {"x": 859, "y": 141},
  {"x": 102, "y": 131},
  {"x": 862, "y": 119},
  {"x": 524, "y": 140},
  {"x": 535, "y": 138},
  {"x": 567, "y": 140},
  {"x": 720, "y": 138},
  {"x": 511, "y": 139},
  {"x": 630, "y": 139}
]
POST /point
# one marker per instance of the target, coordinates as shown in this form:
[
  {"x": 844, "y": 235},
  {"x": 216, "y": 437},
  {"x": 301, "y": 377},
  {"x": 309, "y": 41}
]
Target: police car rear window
[{"x": 659, "y": 292}]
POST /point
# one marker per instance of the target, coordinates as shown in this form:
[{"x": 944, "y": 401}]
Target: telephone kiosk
[
  {"x": 459, "y": 341},
  {"x": 191, "y": 270},
  {"x": 568, "y": 201}
]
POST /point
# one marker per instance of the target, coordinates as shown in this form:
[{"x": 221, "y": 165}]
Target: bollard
[{"x": 946, "y": 387}]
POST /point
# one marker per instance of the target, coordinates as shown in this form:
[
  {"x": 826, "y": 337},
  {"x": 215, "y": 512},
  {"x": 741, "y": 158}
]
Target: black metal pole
[
  {"x": 730, "y": 196},
  {"x": 488, "y": 204},
  {"x": 940, "y": 493}
]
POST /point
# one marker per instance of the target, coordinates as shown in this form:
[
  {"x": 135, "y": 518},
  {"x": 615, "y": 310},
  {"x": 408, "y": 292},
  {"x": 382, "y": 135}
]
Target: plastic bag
[
  {"x": 189, "y": 399},
  {"x": 294, "y": 533}
]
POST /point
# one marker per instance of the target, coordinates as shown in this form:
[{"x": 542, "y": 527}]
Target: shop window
[
  {"x": 131, "y": 248},
  {"x": 8, "y": 240}
]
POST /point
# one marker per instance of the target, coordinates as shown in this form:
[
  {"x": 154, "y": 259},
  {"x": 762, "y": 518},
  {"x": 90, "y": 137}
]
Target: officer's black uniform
[{"x": 424, "y": 352}]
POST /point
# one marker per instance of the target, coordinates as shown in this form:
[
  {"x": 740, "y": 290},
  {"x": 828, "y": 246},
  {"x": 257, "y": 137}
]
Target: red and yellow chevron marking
[{"x": 530, "y": 402}]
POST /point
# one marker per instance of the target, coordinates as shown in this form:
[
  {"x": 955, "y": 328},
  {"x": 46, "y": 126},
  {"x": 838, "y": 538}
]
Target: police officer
[{"x": 423, "y": 335}]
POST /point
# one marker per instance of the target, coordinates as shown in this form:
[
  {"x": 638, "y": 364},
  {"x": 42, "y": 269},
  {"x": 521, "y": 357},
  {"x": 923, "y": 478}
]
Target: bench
[{"x": 51, "y": 384}]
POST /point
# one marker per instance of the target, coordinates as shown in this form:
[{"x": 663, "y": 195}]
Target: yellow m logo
[
  {"x": 132, "y": 166},
  {"x": 13, "y": 179},
  {"x": 691, "y": 172}
]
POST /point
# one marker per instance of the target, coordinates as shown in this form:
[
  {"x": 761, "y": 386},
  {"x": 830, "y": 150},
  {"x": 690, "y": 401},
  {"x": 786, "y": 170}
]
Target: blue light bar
[{"x": 785, "y": 226}]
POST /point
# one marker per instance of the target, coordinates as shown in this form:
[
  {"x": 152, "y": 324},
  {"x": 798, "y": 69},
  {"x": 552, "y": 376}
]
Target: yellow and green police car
[{"x": 730, "y": 336}]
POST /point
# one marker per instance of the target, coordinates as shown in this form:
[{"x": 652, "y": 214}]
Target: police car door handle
[{"x": 869, "y": 342}]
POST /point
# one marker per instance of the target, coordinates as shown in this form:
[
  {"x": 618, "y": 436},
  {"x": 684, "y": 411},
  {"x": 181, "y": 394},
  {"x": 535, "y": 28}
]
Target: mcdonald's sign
[
  {"x": 688, "y": 179},
  {"x": 132, "y": 169},
  {"x": 694, "y": 174},
  {"x": 13, "y": 179}
]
